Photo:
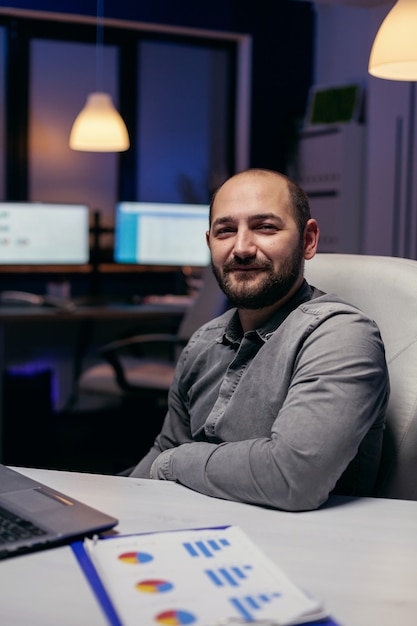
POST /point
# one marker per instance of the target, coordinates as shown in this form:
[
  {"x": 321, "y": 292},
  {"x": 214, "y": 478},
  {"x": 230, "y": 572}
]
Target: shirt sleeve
[
  {"x": 338, "y": 392},
  {"x": 175, "y": 430}
]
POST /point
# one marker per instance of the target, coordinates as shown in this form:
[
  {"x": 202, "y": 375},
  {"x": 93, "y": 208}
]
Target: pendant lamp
[
  {"x": 394, "y": 51},
  {"x": 99, "y": 127}
]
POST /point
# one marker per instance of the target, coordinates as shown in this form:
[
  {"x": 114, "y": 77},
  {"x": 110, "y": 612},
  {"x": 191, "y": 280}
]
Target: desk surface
[
  {"x": 359, "y": 556},
  {"x": 110, "y": 311}
]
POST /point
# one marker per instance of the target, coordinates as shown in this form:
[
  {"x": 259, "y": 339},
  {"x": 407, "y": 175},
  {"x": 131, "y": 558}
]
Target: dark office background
[
  {"x": 282, "y": 32},
  {"x": 282, "y": 61}
]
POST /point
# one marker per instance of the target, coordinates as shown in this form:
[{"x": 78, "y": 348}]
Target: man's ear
[
  {"x": 311, "y": 239},
  {"x": 208, "y": 238}
]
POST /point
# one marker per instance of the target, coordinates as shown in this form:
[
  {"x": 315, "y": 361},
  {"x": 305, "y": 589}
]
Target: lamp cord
[{"x": 99, "y": 46}]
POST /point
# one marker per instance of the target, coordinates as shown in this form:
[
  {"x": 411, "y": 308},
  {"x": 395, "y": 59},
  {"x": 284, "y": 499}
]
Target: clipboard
[{"x": 199, "y": 577}]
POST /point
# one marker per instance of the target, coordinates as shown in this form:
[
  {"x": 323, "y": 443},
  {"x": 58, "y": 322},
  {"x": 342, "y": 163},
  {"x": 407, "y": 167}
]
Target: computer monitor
[
  {"x": 37, "y": 233},
  {"x": 149, "y": 233},
  {"x": 333, "y": 105}
]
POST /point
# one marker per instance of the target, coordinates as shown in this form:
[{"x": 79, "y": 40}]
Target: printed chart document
[{"x": 201, "y": 577}]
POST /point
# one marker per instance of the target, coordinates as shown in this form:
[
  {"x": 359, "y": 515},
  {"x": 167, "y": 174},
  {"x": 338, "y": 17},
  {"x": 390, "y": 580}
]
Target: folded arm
[{"x": 338, "y": 392}]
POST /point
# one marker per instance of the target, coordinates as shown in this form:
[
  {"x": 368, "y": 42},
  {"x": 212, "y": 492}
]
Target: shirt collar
[{"x": 234, "y": 332}]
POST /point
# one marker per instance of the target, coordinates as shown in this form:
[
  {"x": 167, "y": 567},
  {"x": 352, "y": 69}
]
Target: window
[{"x": 183, "y": 94}]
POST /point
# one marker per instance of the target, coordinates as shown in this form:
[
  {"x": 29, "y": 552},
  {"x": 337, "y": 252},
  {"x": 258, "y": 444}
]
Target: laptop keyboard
[{"x": 13, "y": 528}]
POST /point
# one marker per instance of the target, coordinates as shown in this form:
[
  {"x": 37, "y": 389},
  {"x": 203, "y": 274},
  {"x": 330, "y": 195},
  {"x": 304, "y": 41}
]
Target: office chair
[
  {"x": 118, "y": 405},
  {"x": 129, "y": 370},
  {"x": 385, "y": 288}
]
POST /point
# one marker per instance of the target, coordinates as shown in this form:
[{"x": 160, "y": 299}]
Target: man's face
[{"x": 256, "y": 249}]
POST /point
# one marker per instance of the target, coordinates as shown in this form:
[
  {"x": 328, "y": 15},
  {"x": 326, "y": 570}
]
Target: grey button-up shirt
[{"x": 279, "y": 416}]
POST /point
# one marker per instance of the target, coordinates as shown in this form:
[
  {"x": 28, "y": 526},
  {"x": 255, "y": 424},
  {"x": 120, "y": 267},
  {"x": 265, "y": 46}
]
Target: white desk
[{"x": 358, "y": 556}]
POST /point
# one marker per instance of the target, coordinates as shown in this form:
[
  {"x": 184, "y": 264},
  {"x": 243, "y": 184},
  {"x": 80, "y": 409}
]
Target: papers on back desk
[{"x": 199, "y": 577}]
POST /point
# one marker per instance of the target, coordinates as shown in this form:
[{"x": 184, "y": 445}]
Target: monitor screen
[
  {"x": 43, "y": 233},
  {"x": 149, "y": 233}
]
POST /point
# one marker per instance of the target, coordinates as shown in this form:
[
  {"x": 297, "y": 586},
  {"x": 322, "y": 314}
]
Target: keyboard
[{"x": 13, "y": 528}]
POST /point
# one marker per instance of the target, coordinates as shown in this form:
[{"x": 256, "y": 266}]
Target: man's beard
[{"x": 274, "y": 286}]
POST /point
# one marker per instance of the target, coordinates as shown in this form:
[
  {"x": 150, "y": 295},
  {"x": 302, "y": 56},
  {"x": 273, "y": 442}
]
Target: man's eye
[
  {"x": 225, "y": 230},
  {"x": 266, "y": 227}
]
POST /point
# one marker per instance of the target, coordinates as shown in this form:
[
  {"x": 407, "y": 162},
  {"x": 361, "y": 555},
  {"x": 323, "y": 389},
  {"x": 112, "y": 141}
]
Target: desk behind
[
  {"x": 113, "y": 311},
  {"x": 32, "y": 337}
]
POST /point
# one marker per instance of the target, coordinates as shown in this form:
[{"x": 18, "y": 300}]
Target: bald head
[{"x": 297, "y": 198}]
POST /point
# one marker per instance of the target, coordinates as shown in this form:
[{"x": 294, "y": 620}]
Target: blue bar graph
[
  {"x": 190, "y": 549},
  {"x": 239, "y": 573},
  {"x": 233, "y": 577},
  {"x": 264, "y": 598},
  {"x": 228, "y": 577},
  {"x": 214, "y": 578},
  {"x": 247, "y": 615},
  {"x": 214, "y": 545},
  {"x": 249, "y": 605},
  {"x": 207, "y": 549},
  {"x": 254, "y": 604},
  {"x": 201, "y": 545}
]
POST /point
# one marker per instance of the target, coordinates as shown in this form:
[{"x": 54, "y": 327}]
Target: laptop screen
[
  {"x": 161, "y": 234},
  {"x": 43, "y": 233}
]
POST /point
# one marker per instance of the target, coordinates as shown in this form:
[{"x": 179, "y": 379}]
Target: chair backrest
[
  {"x": 385, "y": 288},
  {"x": 209, "y": 303}
]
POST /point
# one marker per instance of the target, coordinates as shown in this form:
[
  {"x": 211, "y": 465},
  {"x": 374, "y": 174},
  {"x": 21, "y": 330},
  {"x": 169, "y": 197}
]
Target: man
[{"x": 281, "y": 400}]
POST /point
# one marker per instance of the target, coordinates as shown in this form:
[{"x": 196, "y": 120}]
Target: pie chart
[
  {"x": 155, "y": 586},
  {"x": 175, "y": 618},
  {"x": 135, "y": 557}
]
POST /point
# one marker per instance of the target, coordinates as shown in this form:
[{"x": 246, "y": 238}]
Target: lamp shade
[
  {"x": 99, "y": 127},
  {"x": 394, "y": 51}
]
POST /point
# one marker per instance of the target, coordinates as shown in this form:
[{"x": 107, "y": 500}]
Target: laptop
[{"x": 34, "y": 516}]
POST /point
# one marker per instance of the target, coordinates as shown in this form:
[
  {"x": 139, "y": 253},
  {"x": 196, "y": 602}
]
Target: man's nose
[{"x": 244, "y": 245}]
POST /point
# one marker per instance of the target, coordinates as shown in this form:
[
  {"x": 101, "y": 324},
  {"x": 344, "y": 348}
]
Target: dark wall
[
  {"x": 282, "y": 32},
  {"x": 282, "y": 74}
]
